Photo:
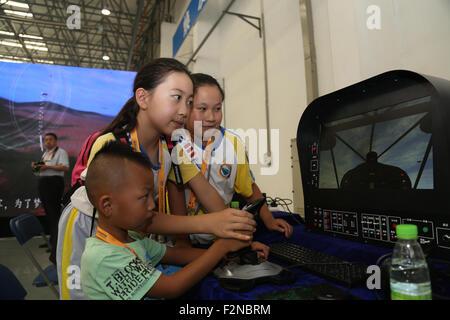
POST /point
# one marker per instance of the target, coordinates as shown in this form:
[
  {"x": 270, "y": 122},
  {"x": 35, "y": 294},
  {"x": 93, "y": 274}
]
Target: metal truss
[{"x": 129, "y": 35}]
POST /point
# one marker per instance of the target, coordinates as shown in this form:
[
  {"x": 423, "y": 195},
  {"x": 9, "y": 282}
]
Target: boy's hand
[
  {"x": 261, "y": 249},
  {"x": 232, "y": 245},
  {"x": 232, "y": 223}
]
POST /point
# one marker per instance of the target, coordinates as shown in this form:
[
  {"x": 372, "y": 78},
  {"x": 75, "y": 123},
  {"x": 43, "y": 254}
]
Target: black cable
[{"x": 284, "y": 203}]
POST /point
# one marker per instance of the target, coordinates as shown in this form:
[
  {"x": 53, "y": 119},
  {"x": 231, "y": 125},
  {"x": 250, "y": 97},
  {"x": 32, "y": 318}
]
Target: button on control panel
[
  {"x": 443, "y": 235},
  {"x": 336, "y": 221},
  {"x": 314, "y": 164},
  {"x": 379, "y": 227}
]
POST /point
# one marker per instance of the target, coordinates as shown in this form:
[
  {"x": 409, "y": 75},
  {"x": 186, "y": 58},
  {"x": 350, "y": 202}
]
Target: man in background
[{"x": 50, "y": 169}]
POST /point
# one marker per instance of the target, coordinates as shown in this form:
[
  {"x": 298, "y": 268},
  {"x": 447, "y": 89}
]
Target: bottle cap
[
  {"x": 407, "y": 231},
  {"x": 235, "y": 204}
]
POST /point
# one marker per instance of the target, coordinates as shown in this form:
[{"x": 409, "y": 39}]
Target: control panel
[
  {"x": 336, "y": 221},
  {"x": 374, "y": 155},
  {"x": 379, "y": 228},
  {"x": 443, "y": 236},
  {"x": 314, "y": 165}
]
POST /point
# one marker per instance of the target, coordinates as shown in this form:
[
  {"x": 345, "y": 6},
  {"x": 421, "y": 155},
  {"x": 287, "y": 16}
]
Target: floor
[{"x": 14, "y": 257}]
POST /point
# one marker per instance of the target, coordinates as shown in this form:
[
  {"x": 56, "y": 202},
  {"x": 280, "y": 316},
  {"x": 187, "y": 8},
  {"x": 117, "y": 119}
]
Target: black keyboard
[{"x": 334, "y": 269}]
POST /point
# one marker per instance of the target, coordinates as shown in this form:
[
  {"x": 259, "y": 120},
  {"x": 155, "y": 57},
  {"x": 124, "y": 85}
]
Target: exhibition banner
[{"x": 36, "y": 99}]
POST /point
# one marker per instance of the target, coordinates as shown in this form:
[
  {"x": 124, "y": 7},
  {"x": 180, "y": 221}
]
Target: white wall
[
  {"x": 167, "y": 31},
  {"x": 235, "y": 53},
  {"x": 414, "y": 35},
  {"x": 208, "y": 58}
]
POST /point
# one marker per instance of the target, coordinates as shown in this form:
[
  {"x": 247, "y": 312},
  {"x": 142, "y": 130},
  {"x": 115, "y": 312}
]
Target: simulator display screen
[{"x": 386, "y": 149}]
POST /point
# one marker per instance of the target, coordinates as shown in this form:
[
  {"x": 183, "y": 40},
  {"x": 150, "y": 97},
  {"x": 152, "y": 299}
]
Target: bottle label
[{"x": 410, "y": 291}]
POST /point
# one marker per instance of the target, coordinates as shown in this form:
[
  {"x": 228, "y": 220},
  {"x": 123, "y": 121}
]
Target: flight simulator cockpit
[{"x": 377, "y": 154}]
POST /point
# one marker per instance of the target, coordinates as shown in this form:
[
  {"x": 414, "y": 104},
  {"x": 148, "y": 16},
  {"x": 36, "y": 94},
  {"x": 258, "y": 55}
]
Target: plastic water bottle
[{"x": 410, "y": 278}]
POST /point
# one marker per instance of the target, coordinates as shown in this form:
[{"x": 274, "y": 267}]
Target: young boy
[
  {"x": 216, "y": 166},
  {"x": 120, "y": 264}
]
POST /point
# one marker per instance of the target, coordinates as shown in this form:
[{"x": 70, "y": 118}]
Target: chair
[
  {"x": 25, "y": 227},
  {"x": 10, "y": 286}
]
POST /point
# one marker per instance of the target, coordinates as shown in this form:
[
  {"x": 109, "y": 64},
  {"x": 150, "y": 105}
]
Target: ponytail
[{"x": 125, "y": 120}]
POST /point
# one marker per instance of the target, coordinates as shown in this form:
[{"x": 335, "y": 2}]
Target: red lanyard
[
  {"x": 161, "y": 176},
  {"x": 108, "y": 238}
]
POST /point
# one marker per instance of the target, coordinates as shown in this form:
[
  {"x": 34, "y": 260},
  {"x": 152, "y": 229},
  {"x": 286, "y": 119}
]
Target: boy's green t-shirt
[{"x": 112, "y": 272}]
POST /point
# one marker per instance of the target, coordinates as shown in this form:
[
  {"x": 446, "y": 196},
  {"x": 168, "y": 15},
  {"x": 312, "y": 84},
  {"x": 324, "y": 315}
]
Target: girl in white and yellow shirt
[{"x": 212, "y": 160}]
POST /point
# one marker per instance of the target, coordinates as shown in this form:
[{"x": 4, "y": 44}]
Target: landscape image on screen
[{"x": 35, "y": 99}]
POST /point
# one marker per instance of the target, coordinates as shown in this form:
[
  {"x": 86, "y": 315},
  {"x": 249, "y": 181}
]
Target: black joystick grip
[{"x": 253, "y": 208}]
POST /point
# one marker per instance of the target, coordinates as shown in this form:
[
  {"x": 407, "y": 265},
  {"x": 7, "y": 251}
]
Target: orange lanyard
[
  {"x": 107, "y": 237},
  {"x": 205, "y": 160},
  {"x": 161, "y": 178},
  {"x": 50, "y": 155}
]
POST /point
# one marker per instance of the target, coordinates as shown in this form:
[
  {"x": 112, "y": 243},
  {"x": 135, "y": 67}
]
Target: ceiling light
[
  {"x": 10, "y": 44},
  {"x": 35, "y": 43},
  {"x": 7, "y": 33},
  {"x": 106, "y": 58},
  {"x": 29, "y": 36},
  {"x": 9, "y": 60},
  {"x": 19, "y": 13},
  {"x": 45, "y": 61},
  {"x": 106, "y": 12},
  {"x": 14, "y": 58},
  {"x": 22, "y": 59},
  {"x": 15, "y": 4},
  {"x": 36, "y": 48}
]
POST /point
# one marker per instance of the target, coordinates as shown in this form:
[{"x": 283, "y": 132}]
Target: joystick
[
  {"x": 244, "y": 273},
  {"x": 254, "y": 207},
  {"x": 246, "y": 254}
]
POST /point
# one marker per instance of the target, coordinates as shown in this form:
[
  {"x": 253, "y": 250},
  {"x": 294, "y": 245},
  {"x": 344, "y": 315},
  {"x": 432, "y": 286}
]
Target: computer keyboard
[{"x": 334, "y": 269}]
